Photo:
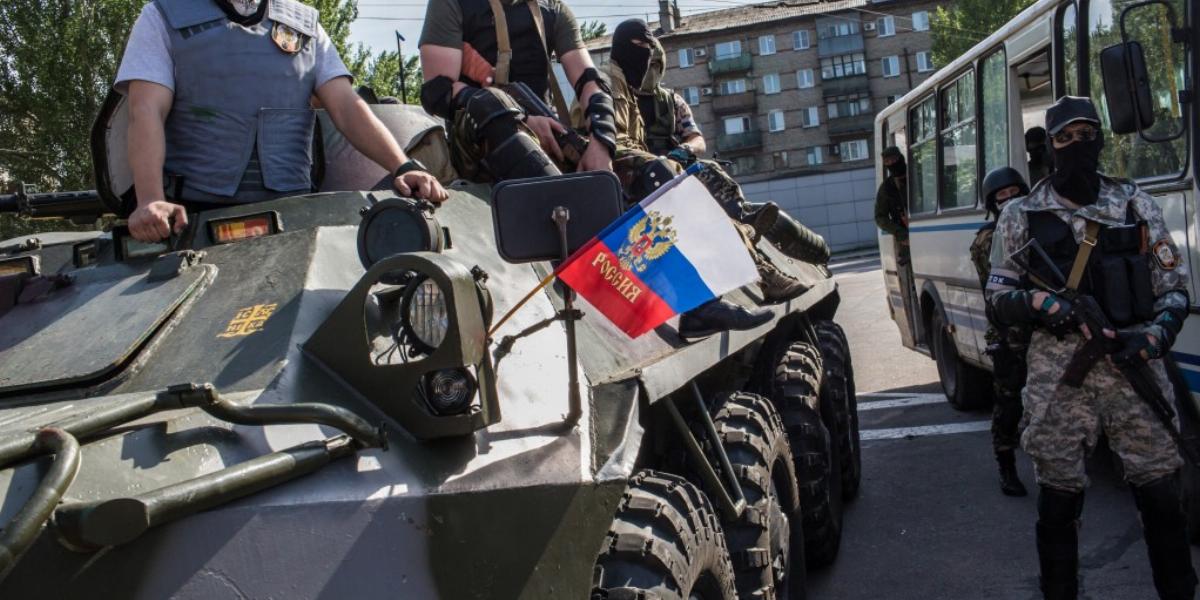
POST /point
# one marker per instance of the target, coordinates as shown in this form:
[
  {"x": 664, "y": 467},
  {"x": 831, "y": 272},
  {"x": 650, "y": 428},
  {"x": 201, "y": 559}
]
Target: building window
[
  {"x": 814, "y": 156},
  {"x": 924, "y": 62},
  {"x": 848, "y": 106},
  {"x": 691, "y": 95},
  {"x": 838, "y": 28},
  {"x": 845, "y": 65},
  {"x": 736, "y": 125},
  {"x": 686, "y": 58},
  {"x": 892, "y": 98},
  {"x": 745, "y": 164},
  {"x": 781, "y": 159},
  {"x": 729, "y": 49},
  {"x": 800, "y": 40},
  {"x": 771, "y": 83},
  {"x": 732, "y": 86},
  {"x": 886, "y": 26},
  {"x": 809, "y": 117},
  {"x": 853, "y": 150},
  {"x": 775, "y": 120},
  {"x": 891, "y": 66},
  {"x": 766, "y": 45},
  {"x": 804, "y": 78},
  {"x": 920, "y": 21}
]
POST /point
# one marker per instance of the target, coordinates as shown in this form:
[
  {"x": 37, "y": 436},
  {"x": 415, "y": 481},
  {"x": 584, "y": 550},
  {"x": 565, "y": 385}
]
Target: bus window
[
  {"x": 1129, "y": 155},
  {"x": 993, "y": 81},
  {"x": 1033, "y": 90},
  {"x": 1068, "y": 49},
  {"x": 922, "y": 169},
  {"x": 959, "y": 167}
]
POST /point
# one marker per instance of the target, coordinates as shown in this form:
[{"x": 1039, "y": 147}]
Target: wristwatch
[{"x": 409, "y": 166}]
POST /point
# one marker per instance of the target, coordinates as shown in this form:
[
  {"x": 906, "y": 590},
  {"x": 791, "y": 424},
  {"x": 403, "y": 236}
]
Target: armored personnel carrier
[{"x": 302, "y": 398}]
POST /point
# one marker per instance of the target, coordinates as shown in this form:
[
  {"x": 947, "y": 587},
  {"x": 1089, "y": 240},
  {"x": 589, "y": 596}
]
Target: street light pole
[{"x": 400, "y": 57}]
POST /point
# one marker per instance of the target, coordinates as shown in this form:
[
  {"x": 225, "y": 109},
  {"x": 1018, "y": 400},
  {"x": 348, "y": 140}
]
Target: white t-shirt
[{"x": 148, "y": 54}]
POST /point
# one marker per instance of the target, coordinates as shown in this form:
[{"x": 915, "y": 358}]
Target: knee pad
[
  {"x": 1058, "y": 507},
  {"x": 518, "y": 157},
  {"x": 653, "y": 175}
]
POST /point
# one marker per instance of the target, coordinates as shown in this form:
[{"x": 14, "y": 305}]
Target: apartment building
[{"x": 788, "y": 91}]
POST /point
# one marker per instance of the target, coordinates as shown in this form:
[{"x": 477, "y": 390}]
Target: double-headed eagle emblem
[{"x": 648, "y": 240}]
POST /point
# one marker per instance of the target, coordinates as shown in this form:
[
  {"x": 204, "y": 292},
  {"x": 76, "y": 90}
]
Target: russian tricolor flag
[{"x": 674, "y": 251}]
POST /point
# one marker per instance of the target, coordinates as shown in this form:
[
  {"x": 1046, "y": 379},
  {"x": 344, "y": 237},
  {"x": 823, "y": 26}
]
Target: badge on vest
[
  {"x": 289, "y": 40},
  {"x": 1165, "y": 256}
]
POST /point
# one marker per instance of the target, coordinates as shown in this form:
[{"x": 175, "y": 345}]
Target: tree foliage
[
  {"x": 957, "y": 28},
  {"x": 58, "y": 59},
  {"x": 593, "y": 29}
]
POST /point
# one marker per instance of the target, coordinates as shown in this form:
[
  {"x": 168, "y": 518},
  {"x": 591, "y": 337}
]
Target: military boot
[
  {"x": 762, "y": 217},
  {"x": 776, "y": 285},
  {"x": 718, "y": 315},
  {"x": 1165, "y": 528},
  {"x": 1058, "y": 542},
  {"x": 1010, "y": 483}
]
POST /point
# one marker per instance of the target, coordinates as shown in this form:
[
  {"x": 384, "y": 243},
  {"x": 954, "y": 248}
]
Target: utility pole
[
  {"x": 400, "y": 57},
  {"x": 907, "y": 70}
]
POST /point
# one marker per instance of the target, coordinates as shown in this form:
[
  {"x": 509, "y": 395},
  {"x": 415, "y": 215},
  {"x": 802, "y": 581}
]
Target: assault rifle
[
  {"x": 572, "y": 144},
  {"x": 1086, "y": 311}
]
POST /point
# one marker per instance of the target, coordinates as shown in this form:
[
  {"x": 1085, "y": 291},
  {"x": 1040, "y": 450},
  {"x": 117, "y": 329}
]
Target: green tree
[
  {"x": 58, "y": 59},
  {"x": 967, "y": 22},
  {"x": 593, "y": 29}
]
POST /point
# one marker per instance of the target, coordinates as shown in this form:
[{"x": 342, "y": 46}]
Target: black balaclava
[
  {"x": 633, "y": 59},
  {"x": 898, "y": 169},
  {"x": 1076, "y": 175},
  {"x": 244, "y": 12},
  {"x": 1035, "y": 145}
]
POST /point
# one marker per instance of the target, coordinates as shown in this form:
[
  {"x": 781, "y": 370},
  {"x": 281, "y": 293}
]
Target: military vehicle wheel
[
  {"x": 837, "y": 390},
  {"x": 966, "y": 387},
  {"x": 767, "y": 547},
  {"x": 665, "y": 540},
  {"x": 816, "y": 456}
]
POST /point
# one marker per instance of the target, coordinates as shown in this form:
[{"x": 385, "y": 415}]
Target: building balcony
[
  {"x": 739, "y": 142},
  {"x": 725, "y": 104},
  {"x": 845, "y": 86},
  {"x": 734, "y": 64},
  {"x": 842, "y": 44},
  {"x": 847, "y": 126}
]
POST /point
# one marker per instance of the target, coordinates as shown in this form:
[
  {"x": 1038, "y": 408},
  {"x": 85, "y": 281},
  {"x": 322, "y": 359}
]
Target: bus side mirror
[{"x": 1127, "y": 88}]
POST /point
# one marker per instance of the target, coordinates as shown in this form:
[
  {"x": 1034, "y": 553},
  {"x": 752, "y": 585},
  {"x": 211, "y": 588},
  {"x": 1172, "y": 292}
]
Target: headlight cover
[{"x": 425, "y": 317}]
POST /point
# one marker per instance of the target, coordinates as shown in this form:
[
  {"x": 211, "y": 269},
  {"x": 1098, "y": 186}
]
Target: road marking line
[
  {"x": 924, "y": 430},
  {"x": 902, "y": 402},
  {"x": 869, "y": 395}
]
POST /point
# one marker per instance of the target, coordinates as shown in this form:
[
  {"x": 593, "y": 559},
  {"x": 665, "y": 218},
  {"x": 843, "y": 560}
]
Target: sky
[{"x": 379, "y": 19}]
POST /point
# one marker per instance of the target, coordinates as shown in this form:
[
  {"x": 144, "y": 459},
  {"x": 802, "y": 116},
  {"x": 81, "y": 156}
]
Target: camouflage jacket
[
  {"x": 630, "y": 132},
  {"x": 981, "y": 252},
  {"x": 1169, "y": 273}
]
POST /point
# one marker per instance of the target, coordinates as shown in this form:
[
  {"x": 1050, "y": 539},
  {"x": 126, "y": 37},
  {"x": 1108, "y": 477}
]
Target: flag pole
[{"x": 541, "y": 286}]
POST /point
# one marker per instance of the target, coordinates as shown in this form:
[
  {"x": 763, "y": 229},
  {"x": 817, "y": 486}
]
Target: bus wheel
[
  {"x": 966, "y": 387},
  {"x": 664, "y": 542}
]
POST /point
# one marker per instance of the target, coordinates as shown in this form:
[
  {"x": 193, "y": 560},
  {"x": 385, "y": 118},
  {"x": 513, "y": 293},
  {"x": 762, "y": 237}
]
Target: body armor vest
[
  {"x": 529, "y": 55},
  {"x": 240, "y": 99},
  {"x": 660, "y": 126},
  {"x": 1118, "y": 272}
]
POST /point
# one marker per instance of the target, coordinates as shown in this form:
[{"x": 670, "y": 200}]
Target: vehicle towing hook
[{"x": 24, "y": 528}]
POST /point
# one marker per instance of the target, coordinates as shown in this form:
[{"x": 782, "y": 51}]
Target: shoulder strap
[
  {"x": 503, "y": 44},
  {"x": 1085, "y": 252},
  {"x": 556, "y": 95}
]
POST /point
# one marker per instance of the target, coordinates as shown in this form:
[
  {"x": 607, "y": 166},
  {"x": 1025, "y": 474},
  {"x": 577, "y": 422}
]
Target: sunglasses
[{"x": 1083, "y": 134}]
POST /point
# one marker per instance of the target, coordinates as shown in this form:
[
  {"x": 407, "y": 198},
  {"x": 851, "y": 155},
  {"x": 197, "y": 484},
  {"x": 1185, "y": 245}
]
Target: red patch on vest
[{"x": 1165, "y": 256}]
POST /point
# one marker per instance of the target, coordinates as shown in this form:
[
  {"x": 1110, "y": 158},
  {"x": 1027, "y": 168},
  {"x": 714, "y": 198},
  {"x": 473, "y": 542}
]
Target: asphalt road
[{"x": 930, "y": 521}]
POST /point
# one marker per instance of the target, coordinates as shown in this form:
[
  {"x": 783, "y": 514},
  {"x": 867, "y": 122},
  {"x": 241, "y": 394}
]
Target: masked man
[
  {"x": 1006, "y": 345},
  {"x": 1111, "y": 238},
  {"x": 219, "y": 94}
]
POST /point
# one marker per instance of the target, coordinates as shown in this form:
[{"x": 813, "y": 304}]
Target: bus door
[{"x": 894, "y": 257}]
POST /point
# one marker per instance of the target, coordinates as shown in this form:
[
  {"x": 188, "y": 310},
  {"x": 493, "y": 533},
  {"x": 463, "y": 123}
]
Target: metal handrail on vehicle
[{"x": 23, "y": 529}]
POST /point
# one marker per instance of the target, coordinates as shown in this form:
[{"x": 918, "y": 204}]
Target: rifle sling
[
  {"x": 1084, "y": 254},
  {"x": 504, "y": 53}
]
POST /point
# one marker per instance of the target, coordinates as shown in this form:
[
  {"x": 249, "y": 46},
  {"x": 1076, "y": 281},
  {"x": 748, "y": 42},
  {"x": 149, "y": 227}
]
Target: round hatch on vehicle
[{"x": 397, "y": 226}]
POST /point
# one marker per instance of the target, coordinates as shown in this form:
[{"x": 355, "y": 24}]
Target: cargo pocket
[{"x": 285, "y": 137}]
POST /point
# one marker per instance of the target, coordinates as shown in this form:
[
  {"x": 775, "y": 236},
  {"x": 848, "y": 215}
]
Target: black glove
[
  {"x": 1062, "y": 321},
  {"x": 1136, "y": 339}
]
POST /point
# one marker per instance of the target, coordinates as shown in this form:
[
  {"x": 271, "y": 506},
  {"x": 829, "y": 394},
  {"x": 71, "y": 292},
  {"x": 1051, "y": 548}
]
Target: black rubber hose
[{"x": 25, "y": 526}]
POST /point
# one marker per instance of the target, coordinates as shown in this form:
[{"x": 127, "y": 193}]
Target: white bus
[{"x": 971, "y": 116}]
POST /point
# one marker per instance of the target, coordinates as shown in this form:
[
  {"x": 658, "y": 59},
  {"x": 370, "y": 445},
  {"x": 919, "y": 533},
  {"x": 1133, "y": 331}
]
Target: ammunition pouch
[
  {"x": 437, "y": 97},
  {"x": 518, "y": 157},
  {"x": 650, "y": 177}
]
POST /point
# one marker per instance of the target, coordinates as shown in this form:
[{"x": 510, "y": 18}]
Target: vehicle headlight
[
  {"x": 450, "y": 391},
  {"x": 425, "y": 317}
]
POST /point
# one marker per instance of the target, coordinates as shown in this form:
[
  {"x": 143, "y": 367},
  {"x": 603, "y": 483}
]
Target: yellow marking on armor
[{"x": 248, "y": 321}]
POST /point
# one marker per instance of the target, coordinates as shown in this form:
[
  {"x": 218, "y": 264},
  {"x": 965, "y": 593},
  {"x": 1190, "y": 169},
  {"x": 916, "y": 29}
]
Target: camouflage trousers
[{"x": 1063, "y": 424}]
